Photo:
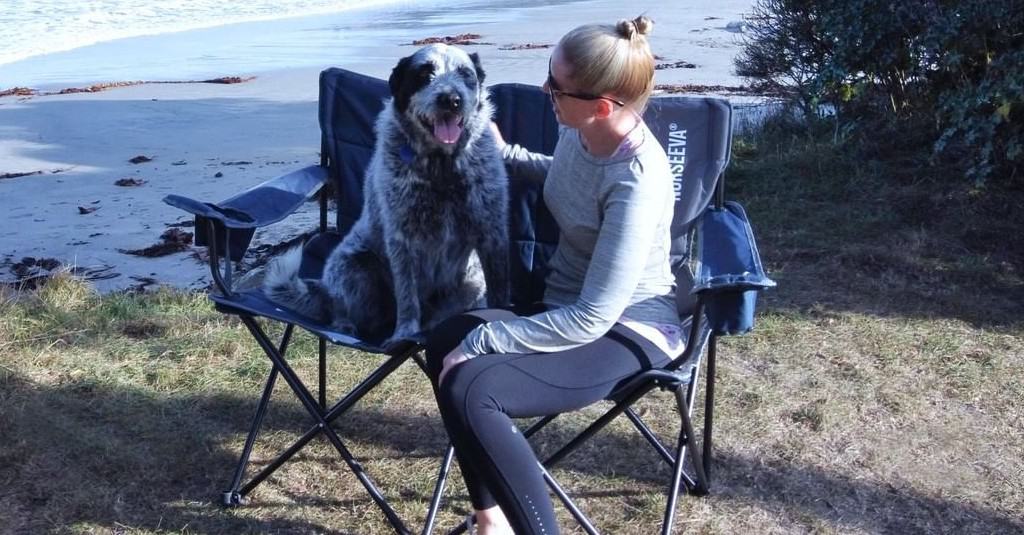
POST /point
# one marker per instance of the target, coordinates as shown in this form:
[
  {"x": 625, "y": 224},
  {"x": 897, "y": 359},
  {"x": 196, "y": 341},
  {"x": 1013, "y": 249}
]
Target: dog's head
[{"x": 438, "y": 92}]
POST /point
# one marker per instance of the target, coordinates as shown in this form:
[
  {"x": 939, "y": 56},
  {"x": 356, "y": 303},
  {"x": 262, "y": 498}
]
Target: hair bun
[{"x": 629, "y": 29}]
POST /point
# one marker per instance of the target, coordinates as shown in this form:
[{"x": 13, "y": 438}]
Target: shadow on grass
[
  {"x": 87, "y": 454},
  {"x": 82, "y": 455}
]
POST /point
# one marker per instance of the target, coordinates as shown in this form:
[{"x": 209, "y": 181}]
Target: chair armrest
[
  {"x": 236, "y": 219},
  {"x": 727, "y": 256},
  {"x": 729, "y": 273},
  {"x": 261, "y": 205}
]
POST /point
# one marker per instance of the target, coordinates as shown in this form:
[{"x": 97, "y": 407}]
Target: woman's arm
[{"x": 521, "y": 162}]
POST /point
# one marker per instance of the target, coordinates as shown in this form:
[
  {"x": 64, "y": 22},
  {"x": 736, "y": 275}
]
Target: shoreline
[
  {"x": 211, "y": 141},
  {"x": 259, "y": 46},
  {"x": 184, "y": 25}
]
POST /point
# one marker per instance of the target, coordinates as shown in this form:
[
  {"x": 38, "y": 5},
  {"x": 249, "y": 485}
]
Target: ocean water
[
  {"x": 53, "y": 44},
  {"x": 34, "y": 27}
]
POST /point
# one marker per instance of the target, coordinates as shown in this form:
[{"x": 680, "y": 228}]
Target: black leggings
[{"x": 480, "y": 397}]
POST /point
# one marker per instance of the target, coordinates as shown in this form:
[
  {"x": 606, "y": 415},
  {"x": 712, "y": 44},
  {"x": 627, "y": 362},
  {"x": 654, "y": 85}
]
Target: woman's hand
[
  {"x": 498, "y": 139},
  {"x": 451, "y": 360}
]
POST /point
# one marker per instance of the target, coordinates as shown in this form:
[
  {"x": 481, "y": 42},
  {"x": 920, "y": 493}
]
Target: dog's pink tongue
[{"x": 447, "y": 131}]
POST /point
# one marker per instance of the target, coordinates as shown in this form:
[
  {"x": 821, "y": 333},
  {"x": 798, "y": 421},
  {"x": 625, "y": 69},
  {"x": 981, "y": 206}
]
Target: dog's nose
[{"x": 450, "y": 101}]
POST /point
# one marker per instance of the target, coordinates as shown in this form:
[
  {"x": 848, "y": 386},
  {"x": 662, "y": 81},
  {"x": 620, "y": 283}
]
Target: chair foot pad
[{"x": 232, "y": 498}]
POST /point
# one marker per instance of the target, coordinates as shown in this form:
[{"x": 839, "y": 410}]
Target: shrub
[{"x": 945, "y": 75}]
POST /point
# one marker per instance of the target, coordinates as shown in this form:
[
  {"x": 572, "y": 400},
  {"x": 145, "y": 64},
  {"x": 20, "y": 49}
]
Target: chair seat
[
  {"x": 254, "y": 302},
  {"x": 670, "y": 379},
  {"x": 314, "y": 255}
]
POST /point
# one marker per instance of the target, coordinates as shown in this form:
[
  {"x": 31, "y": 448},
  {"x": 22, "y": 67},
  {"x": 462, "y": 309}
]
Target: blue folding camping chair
[{"x": 713, "y": 252}]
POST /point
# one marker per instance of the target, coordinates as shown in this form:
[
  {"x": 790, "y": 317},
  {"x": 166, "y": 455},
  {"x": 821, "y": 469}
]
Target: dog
[{"x": 432, "y": 238}]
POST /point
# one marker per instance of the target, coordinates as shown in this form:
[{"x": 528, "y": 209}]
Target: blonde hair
[{"x": 612, "y": 59}]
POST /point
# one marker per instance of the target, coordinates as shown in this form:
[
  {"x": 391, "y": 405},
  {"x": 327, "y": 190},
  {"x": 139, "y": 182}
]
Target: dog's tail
[{"x": 283, "y": 285}]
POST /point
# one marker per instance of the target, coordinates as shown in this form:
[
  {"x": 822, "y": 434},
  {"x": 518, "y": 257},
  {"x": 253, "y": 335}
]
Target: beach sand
[{"x": 74, "y": 213}]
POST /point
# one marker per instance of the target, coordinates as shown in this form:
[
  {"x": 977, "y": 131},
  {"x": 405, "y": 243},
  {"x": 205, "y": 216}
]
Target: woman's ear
[{"x": 604, "y": 108}]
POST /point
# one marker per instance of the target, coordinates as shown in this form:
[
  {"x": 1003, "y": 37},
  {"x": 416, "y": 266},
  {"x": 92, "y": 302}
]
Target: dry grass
[{"x": 880, "y": 393}]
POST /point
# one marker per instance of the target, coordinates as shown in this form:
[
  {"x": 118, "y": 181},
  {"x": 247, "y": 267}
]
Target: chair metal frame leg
[
  {"x": 232, "y": 496},
  {"x": 581, "y": 518},
  {"x": 435, "y": 500},
  {"x": 316, "y": 407}
]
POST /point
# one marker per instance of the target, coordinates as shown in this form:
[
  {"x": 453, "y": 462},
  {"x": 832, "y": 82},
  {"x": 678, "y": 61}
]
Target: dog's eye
[
  {"x": 425, "y": 72},
  {"x": 468, "y": 74}
]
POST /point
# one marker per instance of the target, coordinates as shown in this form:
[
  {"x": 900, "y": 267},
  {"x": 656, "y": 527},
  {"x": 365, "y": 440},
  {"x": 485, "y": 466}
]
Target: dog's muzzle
[{"x": 448, "y": 124}]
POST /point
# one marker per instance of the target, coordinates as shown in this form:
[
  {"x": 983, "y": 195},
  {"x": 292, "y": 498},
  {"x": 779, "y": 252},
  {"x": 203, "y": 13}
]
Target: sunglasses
[{"x": 557, "y": 91}]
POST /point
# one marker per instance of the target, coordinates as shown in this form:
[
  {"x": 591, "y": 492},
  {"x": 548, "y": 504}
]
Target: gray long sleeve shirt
[{"x": 612, "y": 258}]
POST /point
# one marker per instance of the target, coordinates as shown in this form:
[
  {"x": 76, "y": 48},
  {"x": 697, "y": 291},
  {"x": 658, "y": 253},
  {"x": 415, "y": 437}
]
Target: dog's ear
[
  {"x": 398, "y": 75},
  {"x": 479, "y": 69}
]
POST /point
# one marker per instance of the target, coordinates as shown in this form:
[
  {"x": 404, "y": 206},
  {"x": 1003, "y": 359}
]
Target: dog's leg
[
  {"x": 469, "y": 295},
  {"x": 493, "y": 252},
  {"x": 405, "y": 277},
  {"x": 365, "y": 293}
]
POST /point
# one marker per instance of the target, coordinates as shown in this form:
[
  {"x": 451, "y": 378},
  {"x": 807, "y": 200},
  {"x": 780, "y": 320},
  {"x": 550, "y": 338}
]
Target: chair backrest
[{"x": 695, "y": 132}]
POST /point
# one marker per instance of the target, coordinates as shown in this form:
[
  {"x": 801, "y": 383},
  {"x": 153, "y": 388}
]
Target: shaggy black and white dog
[{"x": 435, "y": 193}]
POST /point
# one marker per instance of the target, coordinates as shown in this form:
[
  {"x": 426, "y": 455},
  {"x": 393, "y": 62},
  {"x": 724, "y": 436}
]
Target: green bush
[{"x": 943, "y": 77}]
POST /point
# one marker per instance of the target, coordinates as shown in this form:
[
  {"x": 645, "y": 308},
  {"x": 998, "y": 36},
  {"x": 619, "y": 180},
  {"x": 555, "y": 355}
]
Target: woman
[{"x": 608, "y": 308}]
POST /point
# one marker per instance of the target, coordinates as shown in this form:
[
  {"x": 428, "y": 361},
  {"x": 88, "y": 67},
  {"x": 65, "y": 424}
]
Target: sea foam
[{"x": 33, "y": 27}]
